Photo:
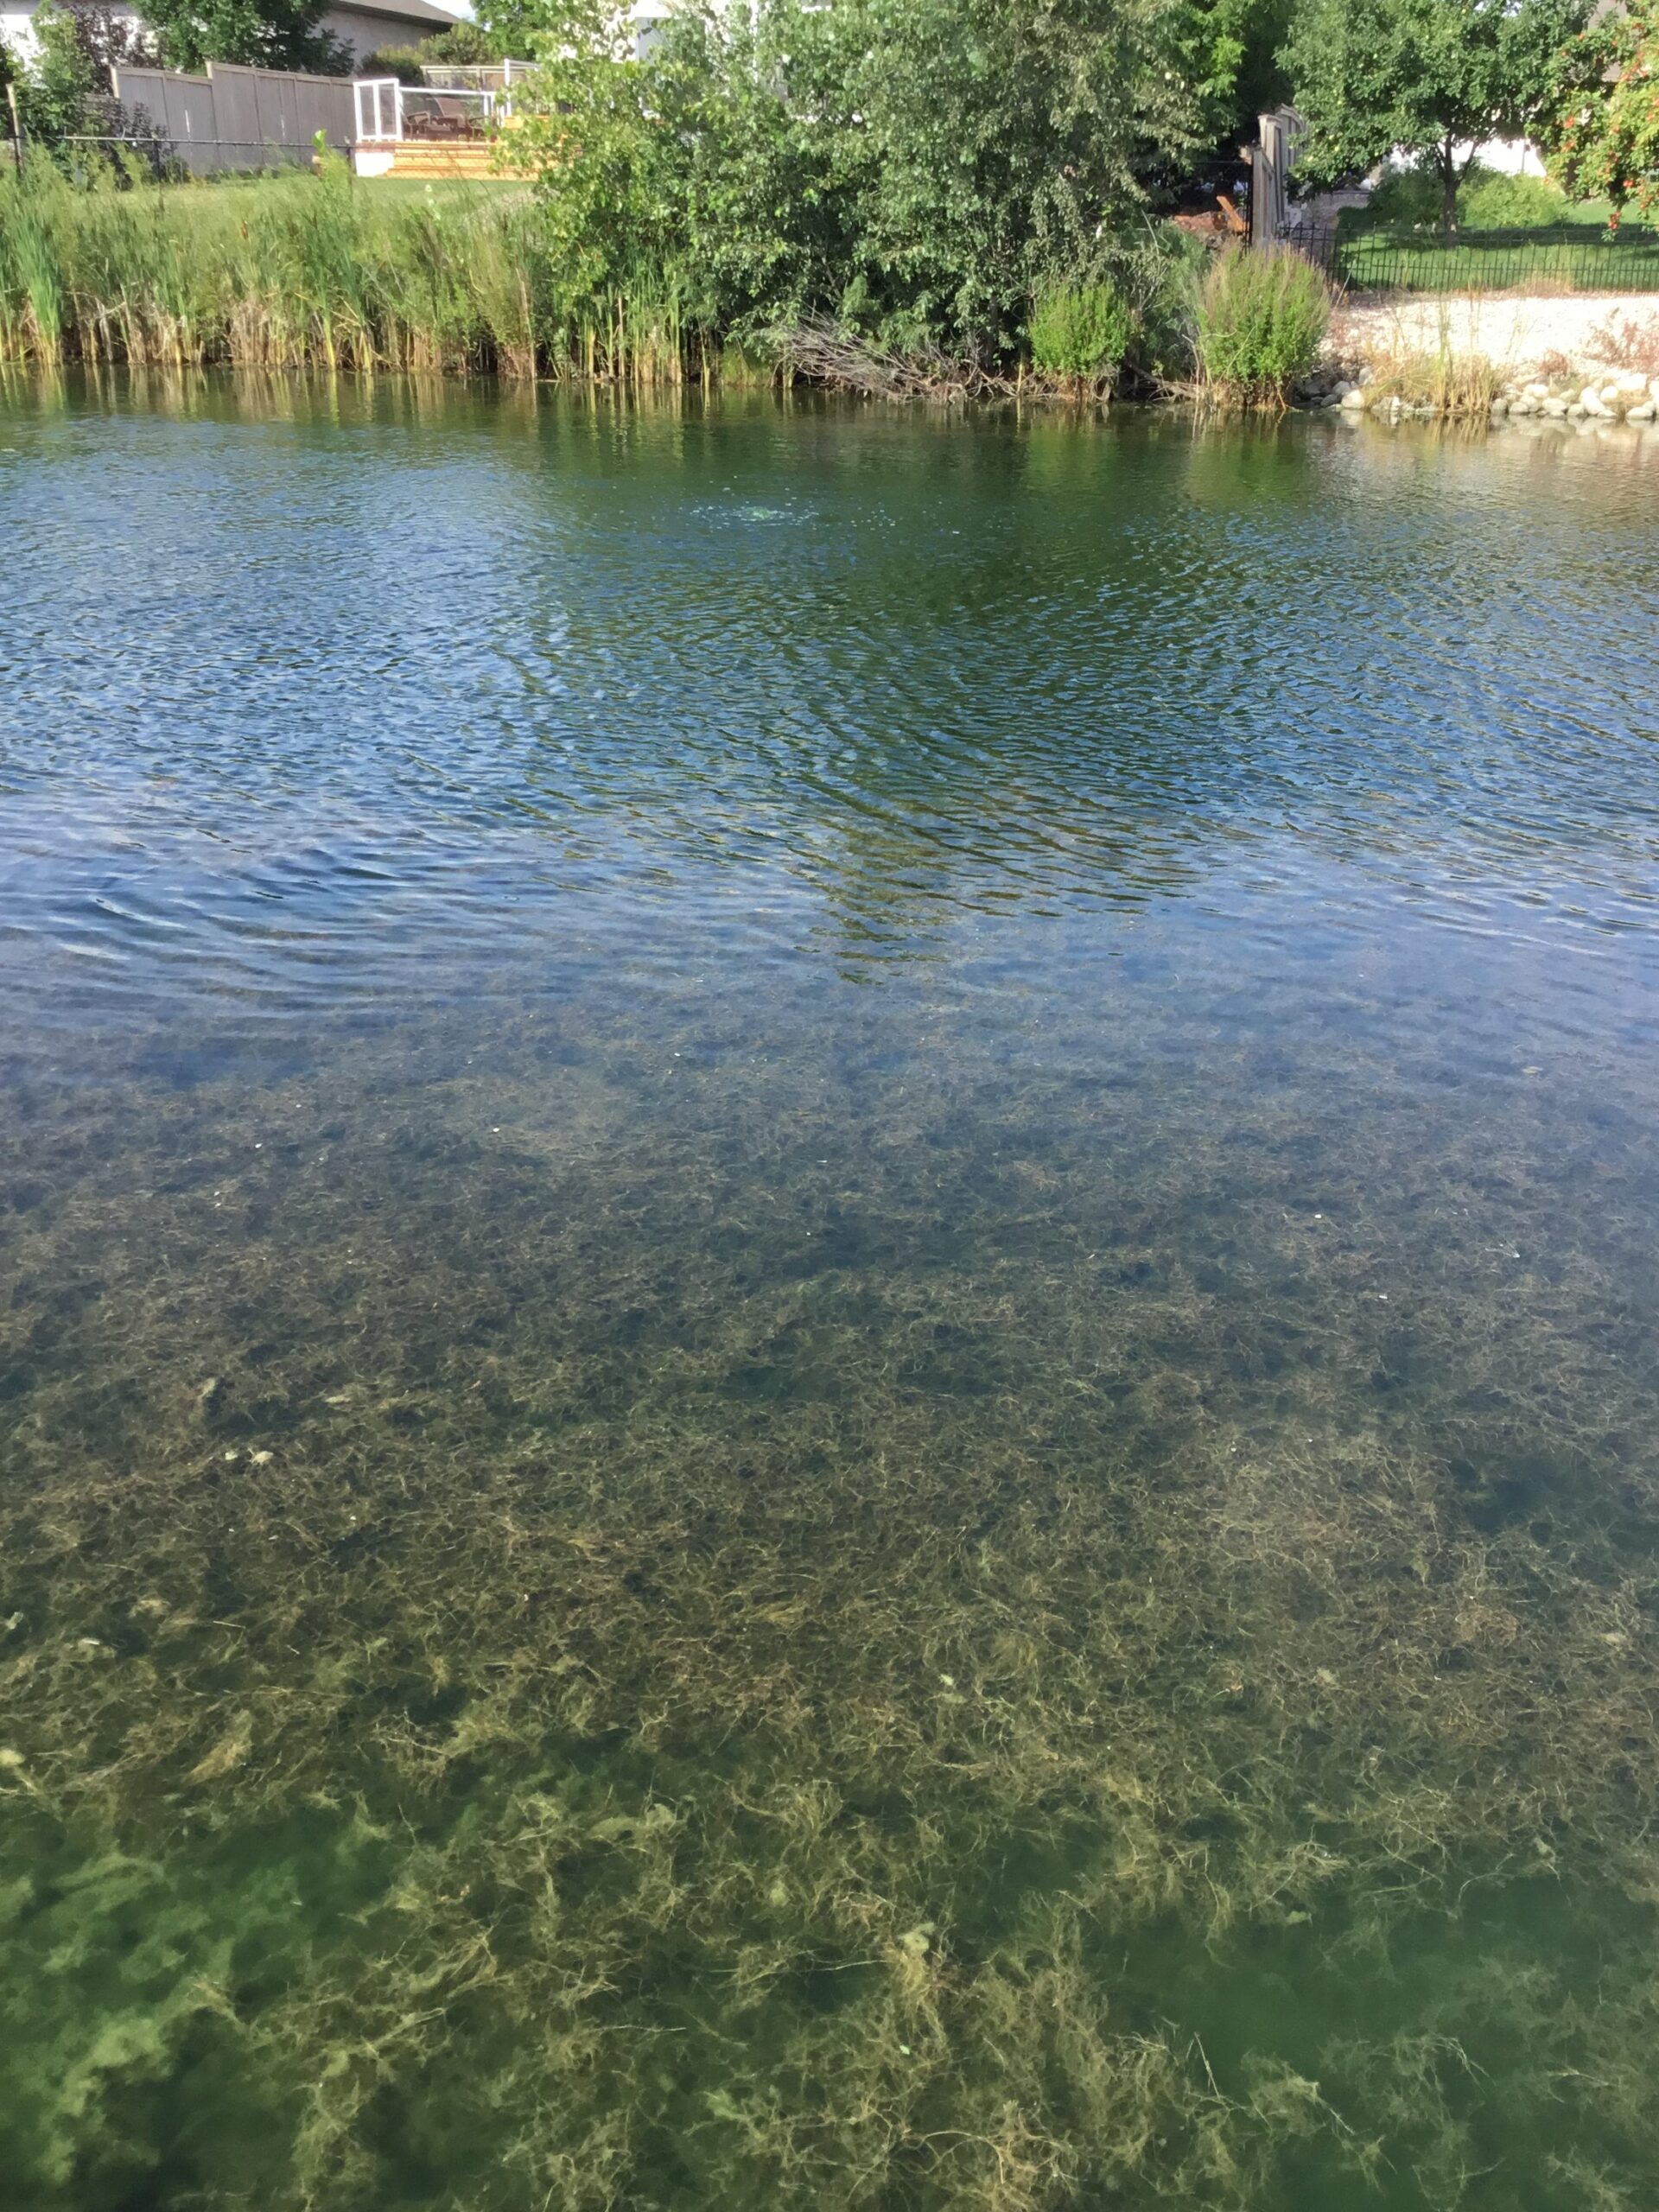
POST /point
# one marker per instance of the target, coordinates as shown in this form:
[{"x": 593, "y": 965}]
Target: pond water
[{"x": 827, "y": 1264}]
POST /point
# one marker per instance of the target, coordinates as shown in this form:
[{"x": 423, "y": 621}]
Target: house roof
[
  {"x": 402, "y": 11},
  {"x": 395, "y": 11}
]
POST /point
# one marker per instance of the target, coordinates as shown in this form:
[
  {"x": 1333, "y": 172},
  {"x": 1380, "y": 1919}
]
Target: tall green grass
[
  {"x": 311, "y": 271},
  {"x": 1261, "y": 318},
  {"x": 1079, "y": 334}
]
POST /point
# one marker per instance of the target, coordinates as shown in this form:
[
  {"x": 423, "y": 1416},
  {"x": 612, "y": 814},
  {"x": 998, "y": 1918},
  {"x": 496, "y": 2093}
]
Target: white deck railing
[
  {"x": 475, "y": 76},
  {"x": 388, "y": 111}
]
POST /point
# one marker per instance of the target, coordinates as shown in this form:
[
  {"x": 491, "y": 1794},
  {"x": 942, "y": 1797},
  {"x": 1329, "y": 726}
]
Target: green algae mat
[{"x": 827, "y": 1268}]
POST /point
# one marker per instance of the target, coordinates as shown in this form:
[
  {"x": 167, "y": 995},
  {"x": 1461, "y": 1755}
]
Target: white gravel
[{"x": 1516, "y": 333}]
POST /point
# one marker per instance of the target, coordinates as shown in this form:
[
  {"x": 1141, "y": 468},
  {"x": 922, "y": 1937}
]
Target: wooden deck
[{"x": 450, "y": 160}]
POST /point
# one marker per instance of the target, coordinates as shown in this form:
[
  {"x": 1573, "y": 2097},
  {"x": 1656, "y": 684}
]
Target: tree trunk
[{"x": 1448, "y": 189}]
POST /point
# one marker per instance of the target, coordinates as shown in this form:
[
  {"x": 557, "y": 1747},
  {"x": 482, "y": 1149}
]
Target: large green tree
[
  {"x": 918, "y": 167},
  {"x": 1232, "y": 52},
  {"x": 1004, "y": 134},
  {"x": 522, "y": 28},
  {"x": 263, "y": 33},
  {"x": 1435, "y": 77}
]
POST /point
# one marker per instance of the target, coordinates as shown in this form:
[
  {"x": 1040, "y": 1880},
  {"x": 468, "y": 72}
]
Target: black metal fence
[
  {"x": 1569, "y": 258},
  {"x": 149, "y": 155}
]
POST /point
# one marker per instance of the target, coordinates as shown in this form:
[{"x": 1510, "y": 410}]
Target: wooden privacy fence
[
  {"x": 234, "y": 118},
  {"x": 1271, "y": 158}
]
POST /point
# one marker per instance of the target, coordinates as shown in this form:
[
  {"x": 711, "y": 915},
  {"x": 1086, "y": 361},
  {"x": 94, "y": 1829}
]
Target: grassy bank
[
  {"x": 306, "y": 271},
  {"x": 1561, "y": 256}
]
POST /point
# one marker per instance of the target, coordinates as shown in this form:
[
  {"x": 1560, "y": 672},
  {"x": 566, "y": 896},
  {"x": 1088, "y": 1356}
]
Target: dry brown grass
[{"x": 1624, "y": 343}]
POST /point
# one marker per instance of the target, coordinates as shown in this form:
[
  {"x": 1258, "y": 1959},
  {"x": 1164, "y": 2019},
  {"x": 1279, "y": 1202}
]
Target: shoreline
[
  {"x": 1577, "y": 358},
  {"x": 1378, "y": 390}
]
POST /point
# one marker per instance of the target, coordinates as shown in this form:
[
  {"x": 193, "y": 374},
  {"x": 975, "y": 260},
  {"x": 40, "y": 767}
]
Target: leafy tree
[
  {"x": 767, "y": 160},
  {"x": 1004, "y": 135},
  {"x": 1604, "y": 136},
  {"x": 585, "y": 122},
  {"x": 1233, "y": 59},
  {"x": 1434, "y": 77},
  {"x": 262, "y": 33},
  {"x": 521, "y": 29},
  {"x": 59, "y": 81},
  {"x": 63, "y": 83},
  {"x": 1262, "y": 82},
  {"x": 917, "y": 168}
]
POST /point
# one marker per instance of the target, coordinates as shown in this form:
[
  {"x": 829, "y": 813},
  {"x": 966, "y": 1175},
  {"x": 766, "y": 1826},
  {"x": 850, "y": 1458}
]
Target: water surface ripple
[{"x": 289, "y": 704}]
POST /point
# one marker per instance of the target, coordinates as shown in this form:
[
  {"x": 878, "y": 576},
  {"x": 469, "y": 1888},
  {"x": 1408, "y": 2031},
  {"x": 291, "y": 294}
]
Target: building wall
[
  {"x": 358, "y": 30},
  {"x": 363, "y": 34},
  {"x": 1513, "y": 156}
]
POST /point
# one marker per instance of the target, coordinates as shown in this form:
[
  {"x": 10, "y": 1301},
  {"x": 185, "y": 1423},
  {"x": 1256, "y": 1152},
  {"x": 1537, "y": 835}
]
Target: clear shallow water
[{"x": 827, "y": 1372}]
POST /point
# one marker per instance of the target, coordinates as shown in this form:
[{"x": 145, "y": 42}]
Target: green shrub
[
  {"x": 1487, "y": 200},
  {"x": 403, "y": 62},
  {"x": 466, "y": 44},
  {"x": 1405, "y": 199},
  {"x": 1081, "y": 333},
  {"x": 1261, "y": 318},
  {"x": 1160, "y": 275}
]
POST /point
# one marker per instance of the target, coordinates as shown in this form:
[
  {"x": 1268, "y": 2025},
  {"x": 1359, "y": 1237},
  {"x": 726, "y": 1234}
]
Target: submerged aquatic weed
[{"x": 670, "y": 1627}]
